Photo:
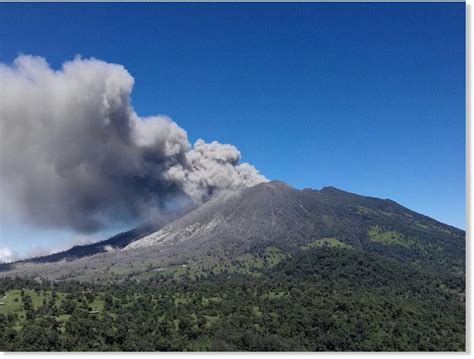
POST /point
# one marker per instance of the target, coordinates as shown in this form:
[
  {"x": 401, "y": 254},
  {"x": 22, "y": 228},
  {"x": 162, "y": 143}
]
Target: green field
[
  {"x": 327, "y": 242},
  {"x": 379, "y": 235},
  {"x": 13, "y": 303}
]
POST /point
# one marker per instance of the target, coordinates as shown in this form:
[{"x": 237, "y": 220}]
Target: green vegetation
[
  {"x": 325, "y": 298},
  {"x": 11, "y": 302},
  {"x": 377, "y": 234},
  {"x": 273, "y": 256},
  {"x": 327, "y": 242},
  {"x": 309, "y": 271},
  {"x": 249, "y": 264}
]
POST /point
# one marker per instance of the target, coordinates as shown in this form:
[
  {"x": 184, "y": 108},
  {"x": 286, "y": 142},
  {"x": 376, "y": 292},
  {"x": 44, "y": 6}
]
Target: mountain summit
[{"x": 271, "y": 220}]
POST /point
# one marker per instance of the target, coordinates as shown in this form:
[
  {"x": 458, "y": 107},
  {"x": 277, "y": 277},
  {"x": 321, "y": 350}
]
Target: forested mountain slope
[{"x": 265, "y": 268}]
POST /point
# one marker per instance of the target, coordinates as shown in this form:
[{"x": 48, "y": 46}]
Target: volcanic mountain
[{"x": 254, "y": 229}]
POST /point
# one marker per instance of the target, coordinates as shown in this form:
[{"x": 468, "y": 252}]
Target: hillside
[
  {"x": 265, "y": 268},
  {"x": 233, "y": 230}
]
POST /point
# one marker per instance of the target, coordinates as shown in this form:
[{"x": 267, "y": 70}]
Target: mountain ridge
[{"x": 248, "y": 221}]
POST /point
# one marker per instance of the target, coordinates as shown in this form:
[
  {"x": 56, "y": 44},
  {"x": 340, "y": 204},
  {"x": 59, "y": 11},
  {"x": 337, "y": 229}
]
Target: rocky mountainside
[{"x": 258, "y": 227}]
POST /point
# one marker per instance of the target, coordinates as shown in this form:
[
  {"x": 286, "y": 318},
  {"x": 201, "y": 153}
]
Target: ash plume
[{"x": 74, "y": 154}]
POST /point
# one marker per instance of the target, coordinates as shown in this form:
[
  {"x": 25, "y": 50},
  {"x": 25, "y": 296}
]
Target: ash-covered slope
[
  {"x": 274, "y": 215},
  {"x": 271, "y": 211},
  {"x": 274, "y": 212},
  {"x": 113, "y": 243}
]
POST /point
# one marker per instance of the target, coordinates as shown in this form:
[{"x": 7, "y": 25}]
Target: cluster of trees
[{"x": 322, "y": 300}]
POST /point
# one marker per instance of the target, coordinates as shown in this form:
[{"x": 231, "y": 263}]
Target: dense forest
[{"x": 322, "y": 299}]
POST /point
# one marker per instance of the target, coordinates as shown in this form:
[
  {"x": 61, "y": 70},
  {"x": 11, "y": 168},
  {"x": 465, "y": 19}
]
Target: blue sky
[{"x": 369, "y": 98}]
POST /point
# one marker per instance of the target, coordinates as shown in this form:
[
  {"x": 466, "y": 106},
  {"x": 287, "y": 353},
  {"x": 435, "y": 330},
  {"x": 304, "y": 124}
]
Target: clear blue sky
[{"x": 369, "y": 97}]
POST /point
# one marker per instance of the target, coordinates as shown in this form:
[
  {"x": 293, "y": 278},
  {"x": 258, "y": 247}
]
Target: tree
[
  {"x": 68, "y": 306},
  {"x": 108, "y": 302}
]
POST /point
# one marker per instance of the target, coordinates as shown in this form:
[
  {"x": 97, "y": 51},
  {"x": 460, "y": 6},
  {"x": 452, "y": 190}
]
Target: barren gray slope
[
  {"x": 268, "y": 211},
  {"x": 276, "y": 212}
]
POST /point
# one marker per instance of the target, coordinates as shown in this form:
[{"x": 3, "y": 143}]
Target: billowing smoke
[{"x": 74, "y": 153}]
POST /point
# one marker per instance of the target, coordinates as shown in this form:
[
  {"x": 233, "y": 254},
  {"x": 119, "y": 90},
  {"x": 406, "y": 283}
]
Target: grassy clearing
[
  {"x": 13, "y": 303},
  {"x": 10, "y": 305},
  {"x": 208, "y": 300},
  {"x": 273, "y": 256},
  {"x": 249, "y": 261},
  {"x": 377, "y": 234},
  {"x": 250, "y": 264},
  {"x": 274, "y": 295},
  {"x": 247, "y": 264},
  {"x": 97, "y": 304},
  {"x": 327, "y": 242}
]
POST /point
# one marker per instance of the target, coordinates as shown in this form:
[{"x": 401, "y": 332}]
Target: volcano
[{"x": 271, "y": 217}]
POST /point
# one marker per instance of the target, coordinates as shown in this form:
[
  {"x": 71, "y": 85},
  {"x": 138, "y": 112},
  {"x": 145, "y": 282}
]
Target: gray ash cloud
[{"x": 74, "y": 154}]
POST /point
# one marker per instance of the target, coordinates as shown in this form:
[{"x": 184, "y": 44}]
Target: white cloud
[{"x": 6, "y": 255}]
